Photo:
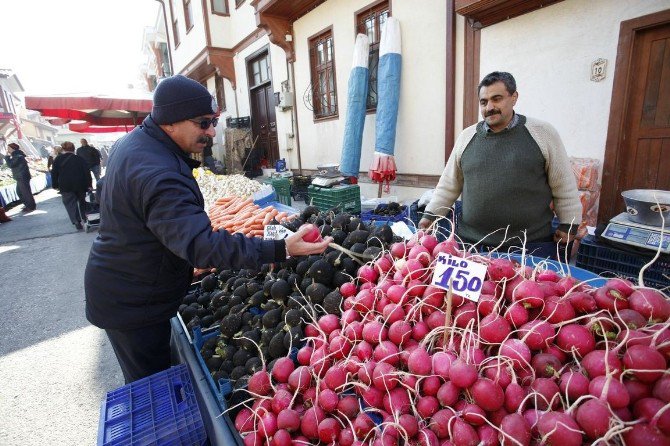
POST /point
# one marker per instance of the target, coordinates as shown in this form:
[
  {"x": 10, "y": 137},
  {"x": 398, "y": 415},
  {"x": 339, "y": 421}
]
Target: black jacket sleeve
[{"x": 173, "y": 214}]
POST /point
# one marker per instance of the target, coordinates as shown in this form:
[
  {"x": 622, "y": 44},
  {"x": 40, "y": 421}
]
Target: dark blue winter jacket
[{"x": 153, "y": 231}]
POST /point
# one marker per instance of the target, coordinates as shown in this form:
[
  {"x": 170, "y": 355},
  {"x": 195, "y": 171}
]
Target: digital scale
[
  {"x": 621, "y": 229},
  {"x": 328, "y": 175}
]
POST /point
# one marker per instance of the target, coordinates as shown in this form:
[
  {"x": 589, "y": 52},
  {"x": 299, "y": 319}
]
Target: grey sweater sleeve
[
  {"x": 561, "y": 178},
  {"x": 449, "y": 187}
]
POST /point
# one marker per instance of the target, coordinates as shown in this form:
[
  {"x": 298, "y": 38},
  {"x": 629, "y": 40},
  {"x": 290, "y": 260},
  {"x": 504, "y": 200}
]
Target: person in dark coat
[
  {"x": 16, "y": 160},
  {"x": 70, "y": 175},
  {"x": 92, "y": 157},
  {"x": 154, "y": 230}
]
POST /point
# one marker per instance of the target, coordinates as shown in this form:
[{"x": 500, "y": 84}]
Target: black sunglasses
[{"x": 204, "y": 123}]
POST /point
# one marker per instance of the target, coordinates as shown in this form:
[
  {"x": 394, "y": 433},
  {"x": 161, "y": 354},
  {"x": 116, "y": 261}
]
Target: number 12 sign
[{"x": 466, "y": 277}]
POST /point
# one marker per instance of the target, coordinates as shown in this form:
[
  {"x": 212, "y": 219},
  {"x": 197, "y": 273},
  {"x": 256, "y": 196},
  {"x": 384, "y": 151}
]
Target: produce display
[
  {"x": 214, "y": 186},
  {"x": 540, "y": 358},
  {"x": 240, "y": 215},
  {"x": 389, "y": 210}
]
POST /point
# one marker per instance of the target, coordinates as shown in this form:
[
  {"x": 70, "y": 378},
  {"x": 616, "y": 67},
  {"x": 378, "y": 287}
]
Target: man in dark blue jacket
[{"x": 154, "y": 230}]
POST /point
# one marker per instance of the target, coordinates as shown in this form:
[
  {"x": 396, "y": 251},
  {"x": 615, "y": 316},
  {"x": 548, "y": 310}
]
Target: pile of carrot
[{"x": 241, "y": 215}]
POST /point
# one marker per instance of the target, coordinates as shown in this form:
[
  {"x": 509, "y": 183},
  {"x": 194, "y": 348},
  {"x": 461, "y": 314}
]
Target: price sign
[
  {"x": 276, "y": 232},
  {"x": 466, "y": 277}
]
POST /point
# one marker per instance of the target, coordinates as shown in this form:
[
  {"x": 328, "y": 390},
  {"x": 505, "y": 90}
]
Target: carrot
[{"x": 269, "y": 216}]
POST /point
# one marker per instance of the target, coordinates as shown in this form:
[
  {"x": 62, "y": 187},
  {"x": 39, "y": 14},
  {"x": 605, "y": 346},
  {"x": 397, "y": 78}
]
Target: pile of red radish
[{"x": 539, "y": 359}]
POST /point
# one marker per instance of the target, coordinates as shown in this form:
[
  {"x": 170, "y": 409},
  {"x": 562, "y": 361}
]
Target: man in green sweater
[{"x": 508, "y": 169}]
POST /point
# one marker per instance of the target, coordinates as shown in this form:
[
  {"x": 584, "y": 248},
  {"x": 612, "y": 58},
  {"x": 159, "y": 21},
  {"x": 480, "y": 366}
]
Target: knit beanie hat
[{"x": 178, "y": 98}]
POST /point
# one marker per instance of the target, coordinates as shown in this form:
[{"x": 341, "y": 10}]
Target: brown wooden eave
[
  {"x": 277, "y": 17},
  {"x": 211, "y": 60},
  {"x": 483, "y": 13}
]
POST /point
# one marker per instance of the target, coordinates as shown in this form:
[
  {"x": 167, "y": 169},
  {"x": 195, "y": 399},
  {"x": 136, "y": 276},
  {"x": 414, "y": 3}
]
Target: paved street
[{"x": 55, "y": 368}]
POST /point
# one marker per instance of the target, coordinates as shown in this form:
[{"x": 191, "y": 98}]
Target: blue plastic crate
[
  {"x": 223, "y": 387},
  {"x": 609, "y": 261},
  {"x": 160, "y": 409},
  {"x": 574, "y": 271}
]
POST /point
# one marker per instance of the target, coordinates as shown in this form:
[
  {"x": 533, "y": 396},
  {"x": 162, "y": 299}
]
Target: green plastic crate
[
  {"x": 283, "y": 188},
  {"x": 345, "y": 197}
]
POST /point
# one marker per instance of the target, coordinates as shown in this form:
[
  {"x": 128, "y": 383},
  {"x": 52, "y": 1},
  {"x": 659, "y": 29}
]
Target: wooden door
[
  {"x": 263, "y": 117},
  {"x": 641, "y": 159}
]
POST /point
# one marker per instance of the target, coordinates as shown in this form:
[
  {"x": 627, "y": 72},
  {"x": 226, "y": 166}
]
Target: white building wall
[
  {"x": 420, "y": 132},
  {"x": 550, "y": 52},
  {"x": 191, "y": 44},
  {"x": 227, "y": 31}
]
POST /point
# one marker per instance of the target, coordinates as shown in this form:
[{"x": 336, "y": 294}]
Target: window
[
  {"x": 175, "y": 26},
  {"x": 188, "y": 15},
  {"x": 259, "y": 71},
  {"x": 220, "y": 95},
  {"x": 220, "y": 7},
  {"x": 370, "y": 21},
  {"x": 238, "y": 3},
  {"x": 322, "y": 64}
]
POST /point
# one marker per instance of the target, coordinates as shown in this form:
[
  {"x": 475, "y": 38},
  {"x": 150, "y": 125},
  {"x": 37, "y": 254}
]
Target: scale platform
[
  {"x": 327, "y": 181},
  {"x": 621, "y": 229}
]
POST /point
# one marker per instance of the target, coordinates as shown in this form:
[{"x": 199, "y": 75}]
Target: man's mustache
[
  {"x": 491, "y": 113},
  {"x": 202, "y": 140}
]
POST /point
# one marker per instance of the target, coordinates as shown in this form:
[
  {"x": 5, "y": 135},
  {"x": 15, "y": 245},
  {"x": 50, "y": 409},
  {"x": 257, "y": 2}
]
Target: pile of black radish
[
  {"x": 389, "y": 210},
  {"x": 540, "y": 359},
  {"x": 261, "y": 315}
]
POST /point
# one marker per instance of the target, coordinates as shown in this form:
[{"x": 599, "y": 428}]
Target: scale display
[{"x": 622, "y": 230}]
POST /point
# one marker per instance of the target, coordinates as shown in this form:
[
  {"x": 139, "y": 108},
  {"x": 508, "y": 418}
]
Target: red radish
[
  {"x": 593, "y": 416},
  {"x": 463, "y": 434},
  {"x": 529, "y": 293},
  {"x": 348, "y": 289},
  {"x": 651, "y": 304},
  {"x": 362, "y": 425},
  {"x": 545, "y": 365},
  {"x": 574, "y": 384},
  {"x": 281, "y": 400},
  {"x": 420, "y": 362},
  {"x": 629, "y": 319},
  {"x": 464, "y": 314},
  {"x": 420, "y": 253},
  {"x": 328, "y": 323},
  {"x": 399, "y": 332},
  {"x": 413, "y": 269},
  {"x": 624, "y": 286},
  {"x": 420, "y": 330},
  {"x": 472, "y": 413},
  {"x": 442, "y": 363},
  {"x": 537, "y": 334},
  {"x": 462, "y": 374},
  {"x": 661, "y": 389},
  {"x": 494, "y": 328},
  {"x": 259, "y": 383},
  {"x": 267, "y": 424},
  {"x": 363, "y": 301},
  {"x": 488, "y": 436},
  {"x": 616, "y": 395},
  {"x": 576, "y": 338},
  {"x": 647, "y": 409},
  {"x": 431, "y": 385},
  {"x": 383, "y": 264},
  {"x": 367, "y": 274},
  {"x": 353, "y": 331},
  {"x": 582, "y": 303},
  {"x": 498, "y": 373},
  {"x": 397, "y": 401},
  {"x": 348, "y": 406},
  {"x": 365, "y": 372},
  {"x": 486, "y": 304},
  {"x": 426, "y": 406},
  {"x": 548, "y": 275},
  {"x": 416, "y": 288},
  {"x": 557, "y": 309},
  {"x": 448, "y": 394},
  {"x": 288, "y": 419},
  {"x": 383, "y": 376},
  {"x": 282, "y": 369},
  {"x": 487, "y": 394},
  {"x": 328, "y": 400},
  {"x": 440, "y": 421},
  {"x": 515, "y": 430},
  {"x": 610, "y": 299},
  {"x": 566, "y": 284},
  {"x": 409, "y": 424},
  {"x": 637, "y": 390},
  {"x": 546, "y": 390},
  {"x": 282, "y": 438},
  {"x": 647, "y": 363},
  {"x": 387, "y": 352},
  {"x": 559, "y": 428},
  {"x": 517, "y": 351},
  {"x": 363, "y": 350},
  {"x": 244, "y": 421},
  {"x": 398, "y": 250},
  {"x": 309, "y": 425},
  {"x": 429, "y": 242},
  {"x": 514, "y": 396},
  {"x": 516, "y": 314},
  {"x": 393, "y": 313},
  {"x": 594, "y": 364},
  {"x": 643, "y": 434},
  {"x": 329, "y": 430},
  {"x": 300, "y": 379},
  {"x": 312, "y": 235},
  {"x": 500, "y": 269}
]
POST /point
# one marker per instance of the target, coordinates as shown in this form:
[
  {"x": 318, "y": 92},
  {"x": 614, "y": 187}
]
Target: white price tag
[
  {"x": 276, "y": 232},
  {"x": 466, "y": 277}
]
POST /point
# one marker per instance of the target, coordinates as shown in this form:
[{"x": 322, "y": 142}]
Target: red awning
[
  {"x": 101, "y": 110},
  {"x": 85, "y": 127}
]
